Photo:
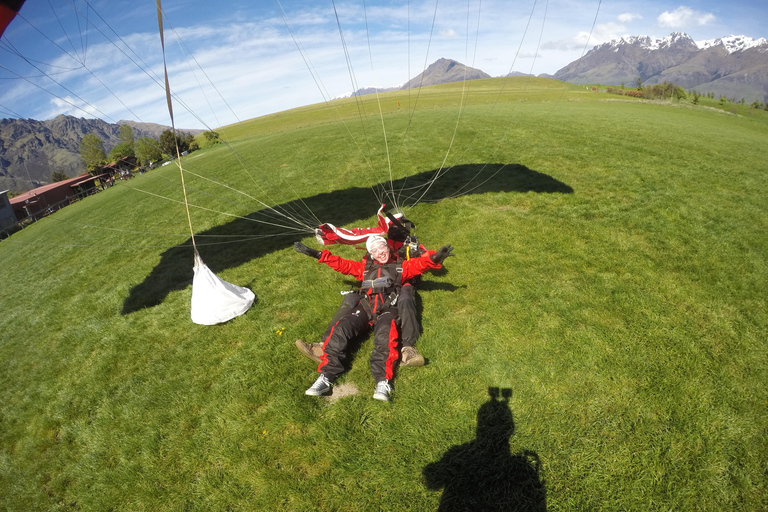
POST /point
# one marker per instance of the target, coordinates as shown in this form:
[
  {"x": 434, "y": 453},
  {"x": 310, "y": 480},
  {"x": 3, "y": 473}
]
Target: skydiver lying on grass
[
  {"x": 403, "y": 246},
  {"x": 381, "y": 278}
]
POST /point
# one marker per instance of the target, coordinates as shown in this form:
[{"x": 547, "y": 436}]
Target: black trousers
[
  {"x": 406, "y": 313},
  {"x": 385, "y": 343}
]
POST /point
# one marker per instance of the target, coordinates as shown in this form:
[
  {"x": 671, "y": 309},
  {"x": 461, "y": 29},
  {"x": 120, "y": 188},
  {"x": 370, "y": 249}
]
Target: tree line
[
  {"x": 669, "y": 90},
  {"x": 146, "y": 149}
]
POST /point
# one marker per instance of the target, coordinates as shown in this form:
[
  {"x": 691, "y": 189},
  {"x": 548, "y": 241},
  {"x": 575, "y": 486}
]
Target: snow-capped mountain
[
  {"x": 735, "y": 66},
  {"x": 734, "y": 43}
]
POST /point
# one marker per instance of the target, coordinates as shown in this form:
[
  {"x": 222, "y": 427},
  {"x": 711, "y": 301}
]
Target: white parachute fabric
[{"x": 214, "y": 300}]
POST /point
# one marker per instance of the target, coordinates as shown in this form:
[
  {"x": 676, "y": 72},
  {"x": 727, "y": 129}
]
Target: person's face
[{"x": 380, "y": 253}]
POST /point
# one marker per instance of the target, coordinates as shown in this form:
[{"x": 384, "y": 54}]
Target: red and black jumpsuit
[{"x": 374, "y": 310}]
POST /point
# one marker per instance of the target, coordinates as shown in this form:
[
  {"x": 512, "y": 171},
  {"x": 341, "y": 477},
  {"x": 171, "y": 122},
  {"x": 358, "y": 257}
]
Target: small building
[
  {"x": 48, "y": 198},
  {"x": 7, "y": 216}
]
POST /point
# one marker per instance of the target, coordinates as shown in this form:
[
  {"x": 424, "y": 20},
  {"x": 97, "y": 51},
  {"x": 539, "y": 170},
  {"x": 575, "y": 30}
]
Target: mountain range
[
  {"x": 31, "y": 150},
  {"x": 735, "y": 67}
]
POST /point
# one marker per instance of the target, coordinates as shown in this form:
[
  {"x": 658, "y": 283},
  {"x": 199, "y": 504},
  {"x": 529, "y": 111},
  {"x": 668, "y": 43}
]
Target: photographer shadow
[{"x": 483, "y": 475}]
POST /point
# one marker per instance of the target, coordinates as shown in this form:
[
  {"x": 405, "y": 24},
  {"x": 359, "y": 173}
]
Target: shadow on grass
[
  {"x": 341, "y": 207},
  {"x": 482, "y": 474}
]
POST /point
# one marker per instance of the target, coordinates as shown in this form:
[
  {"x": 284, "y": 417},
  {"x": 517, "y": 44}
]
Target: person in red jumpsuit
[
  {"x": 381, "y": 278},
  {"x": 403, "y": 246}
]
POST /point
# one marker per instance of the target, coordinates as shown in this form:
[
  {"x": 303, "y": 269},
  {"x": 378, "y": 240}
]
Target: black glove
[
  {"x": 303, "y": 249},
  {"x": 442, "y": 253}
]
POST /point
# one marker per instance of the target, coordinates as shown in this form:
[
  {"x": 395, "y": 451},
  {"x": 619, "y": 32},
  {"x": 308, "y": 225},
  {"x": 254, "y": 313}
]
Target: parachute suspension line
[
  {"x": 306, "y": 227},
  {"x": 319, "y": 84},
  {"x": 288, "y": 212},
  {"x": 358, "y": 102},
  {"x": 381, "y": 116},
  {"x": 186, "y": 203},
  {"x": 586, "y": 44},
  {"x": 412, "y": 111},
  {"x": 462, "y": 105},
  {"x": 80, "y": 59},
  {"x": 173, "y": 125},
  {"x": 324, "y": 92},
  {"x": 10, "y": 112},
  {"x": 192, "y": 55},
  {"x": 464, "y": 190}
]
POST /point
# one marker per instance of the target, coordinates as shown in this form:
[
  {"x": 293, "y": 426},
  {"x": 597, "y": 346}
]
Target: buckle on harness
[{"x": 378, "y": 285}]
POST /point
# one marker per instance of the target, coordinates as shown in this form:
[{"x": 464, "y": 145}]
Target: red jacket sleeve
[
  {"x": 339, "y": 264},
  {"x": 417, "y": 266}
]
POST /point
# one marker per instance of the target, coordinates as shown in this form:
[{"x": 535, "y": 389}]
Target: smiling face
[{"x": 380, "y": 252}]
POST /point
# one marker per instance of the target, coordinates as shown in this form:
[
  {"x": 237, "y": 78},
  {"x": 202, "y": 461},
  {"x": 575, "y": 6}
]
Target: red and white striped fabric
[{"x": 328, "y": 234}]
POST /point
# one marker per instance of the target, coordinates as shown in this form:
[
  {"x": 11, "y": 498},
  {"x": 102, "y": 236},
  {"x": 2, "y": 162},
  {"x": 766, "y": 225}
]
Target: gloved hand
[
  {"x": 303, "y": 249},
  {"x": 442, "y": 253}
]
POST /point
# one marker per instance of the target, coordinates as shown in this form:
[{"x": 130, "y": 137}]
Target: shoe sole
[
  {"x": 315, "y": 392},
  {"x": 383, "y": 398},
  {"x": 304, "y": 349}
]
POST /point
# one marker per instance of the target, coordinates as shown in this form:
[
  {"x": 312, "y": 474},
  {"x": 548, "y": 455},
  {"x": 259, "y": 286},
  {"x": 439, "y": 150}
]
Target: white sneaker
[
  {"x": 382, "y": 391},
  {"x": 321, "y": 386}
]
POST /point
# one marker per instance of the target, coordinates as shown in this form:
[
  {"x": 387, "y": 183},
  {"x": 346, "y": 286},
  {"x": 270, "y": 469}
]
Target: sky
[{"x": 229, "y": 61}]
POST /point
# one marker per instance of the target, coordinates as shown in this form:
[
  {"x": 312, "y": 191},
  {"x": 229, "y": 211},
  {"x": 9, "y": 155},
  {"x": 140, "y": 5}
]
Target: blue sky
[{"x": 235, "y": 60}]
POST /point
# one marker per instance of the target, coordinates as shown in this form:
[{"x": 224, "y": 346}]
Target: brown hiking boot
[
  {"x": 409, "y": 356},
  {"x": 312, "y": 351}
]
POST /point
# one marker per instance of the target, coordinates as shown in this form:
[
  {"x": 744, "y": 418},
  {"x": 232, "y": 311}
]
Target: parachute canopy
[{"x": 8, "y": 10}]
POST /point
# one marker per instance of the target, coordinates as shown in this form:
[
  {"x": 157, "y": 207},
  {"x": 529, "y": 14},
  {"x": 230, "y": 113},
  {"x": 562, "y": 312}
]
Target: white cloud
[
  {"x": 448, "y": 33},
  {"x": 629, "y": 17},
  {"x": 602, "y": 33},
  {"x": 72, "y": 107},
  {"x": 684, "y": 16}
]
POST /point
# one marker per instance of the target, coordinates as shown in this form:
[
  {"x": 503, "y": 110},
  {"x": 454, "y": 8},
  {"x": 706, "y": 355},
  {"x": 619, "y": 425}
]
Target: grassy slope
[{"x": 628, "y": 317}]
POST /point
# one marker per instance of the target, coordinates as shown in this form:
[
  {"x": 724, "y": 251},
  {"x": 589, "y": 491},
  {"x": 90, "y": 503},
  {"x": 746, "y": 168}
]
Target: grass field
[{"x": 610, "y": 275}]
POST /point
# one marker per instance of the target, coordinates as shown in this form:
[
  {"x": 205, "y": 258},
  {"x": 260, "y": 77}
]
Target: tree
[
  {"x": 57, "y": 176},
  {"x": 148, "y": 150},
  {"x": 169, "y": 141},
  {"x": 92, "y": 152},
  {"x": 122, "y": 150},
  {"x": 211, "y": 136},
  {"x": 126, "y": 135}
]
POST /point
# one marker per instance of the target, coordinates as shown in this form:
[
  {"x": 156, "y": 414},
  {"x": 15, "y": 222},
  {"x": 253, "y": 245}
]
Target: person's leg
[
  {"x": 335, "y": 344},
  {"x": 314, "y": 351},
  {"x": 406, "y": 312},
  {"x": 348, "y": 304},
  {"x": 409, "y": 326},
  {"x": 385, "y": 353}
]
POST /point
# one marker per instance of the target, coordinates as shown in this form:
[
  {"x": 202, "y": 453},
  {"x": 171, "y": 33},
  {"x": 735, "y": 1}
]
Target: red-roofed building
[{"x": 48, "y": 198}]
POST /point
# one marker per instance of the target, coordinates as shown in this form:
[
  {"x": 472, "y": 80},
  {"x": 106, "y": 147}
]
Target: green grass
[{"x": 612, "y": 275}]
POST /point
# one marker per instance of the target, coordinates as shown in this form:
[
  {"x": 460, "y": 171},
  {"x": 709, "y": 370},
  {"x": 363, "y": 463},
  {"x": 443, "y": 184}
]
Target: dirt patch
[{"x": 341, "y": 391}]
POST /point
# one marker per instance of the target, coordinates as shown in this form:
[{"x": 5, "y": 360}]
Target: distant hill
[
  {"x": 31, "y": 150},
  {"x": 735, "y": 67},
  {"x": 442, "y": 71}
]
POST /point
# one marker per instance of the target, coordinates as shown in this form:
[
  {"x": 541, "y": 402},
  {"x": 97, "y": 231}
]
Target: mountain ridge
[
  {"x": 31, "y": 150},
  {"x": 734, "y": 66}
]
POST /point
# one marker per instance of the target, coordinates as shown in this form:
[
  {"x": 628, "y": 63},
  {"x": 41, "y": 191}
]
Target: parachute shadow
[
  {"x": 340, "y": 207},
  {"x": 482, "y": 474}
]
